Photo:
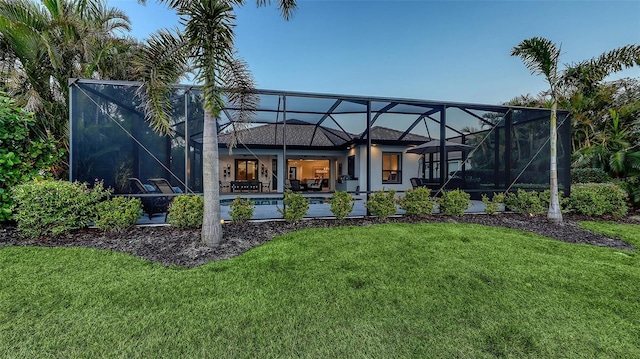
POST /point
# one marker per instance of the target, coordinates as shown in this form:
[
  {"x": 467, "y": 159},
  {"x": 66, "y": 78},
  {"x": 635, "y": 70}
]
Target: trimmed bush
[
  {"x": 53, "y": 207},
  {"x": 382, "y": 204},
  {"x": 295, "y": 206},
  {"x": 118, "y": 213},
  {"x": 525, "y": 202},
  {"x": 341, "y": 204},
  {"x": 492, "y": 205},
  {"x": 186, "y": 211},
  {"x": 241, "y": 209},
  {"x": 599, "y": 199},
  {"x": 454, "y": 203},
  {"x": 589, "y": 175},
  {"x": 417, "y": 202}
]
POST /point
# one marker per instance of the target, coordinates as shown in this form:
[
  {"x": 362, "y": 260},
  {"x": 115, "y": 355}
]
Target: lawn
[{"x": 387, "y": 291}]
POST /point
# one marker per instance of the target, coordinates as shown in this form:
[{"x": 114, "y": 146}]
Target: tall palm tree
[
  {"x": 46, "y": 42},
  {"x": 207, "y": 46},
  {"x": 541, "y": 58}
]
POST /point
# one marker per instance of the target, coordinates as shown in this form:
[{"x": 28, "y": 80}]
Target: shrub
[
  {"x": 589, "y": 175},
  {"x": 525, "y": 202},
  {"x": 341, "y": 204},
  {"x": 632, "y": 186},
  {"x": 241, "y": 209},
  {"x": 545, "y": 199},
  {"x": 53, "y": 207},
  {"x": 417, "y": 202},
  {"x": 295, "y": 206},
  {"x": 186, "y": 211},
  {"x": 454, "y": 203},
  {"x": 598, "y": 199},
  {"x": 382, "y": 204},
  {"x": 492, "y": 206},
  {"x": 21, "y": 159},
  {"x": 118, "y": 213}
]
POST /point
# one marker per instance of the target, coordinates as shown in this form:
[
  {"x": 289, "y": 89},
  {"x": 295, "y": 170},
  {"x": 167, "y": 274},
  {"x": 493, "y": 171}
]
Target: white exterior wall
[{"x": 409, "y": 167}]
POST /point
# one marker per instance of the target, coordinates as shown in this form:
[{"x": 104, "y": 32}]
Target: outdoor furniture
[
  {"x": 314, "y": 184},
  {"x": 163, "y": 186},
  {"x": 295, "y": 185},
  {"x": 150, "y": 204},
  {"x": 248, "y": 186}
]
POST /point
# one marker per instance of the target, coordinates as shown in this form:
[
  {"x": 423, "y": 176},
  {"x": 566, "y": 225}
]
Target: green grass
[
  {"x": 629, "y": 233},
  {"x": 389, "y": 291}
]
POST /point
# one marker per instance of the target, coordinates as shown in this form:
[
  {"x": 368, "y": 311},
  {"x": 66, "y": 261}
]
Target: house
[{"x": 325, "y": 141}]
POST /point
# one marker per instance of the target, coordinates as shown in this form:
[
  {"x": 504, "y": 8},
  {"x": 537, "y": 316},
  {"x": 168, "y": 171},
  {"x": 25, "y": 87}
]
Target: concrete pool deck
[{"x": 270, "y": 212}]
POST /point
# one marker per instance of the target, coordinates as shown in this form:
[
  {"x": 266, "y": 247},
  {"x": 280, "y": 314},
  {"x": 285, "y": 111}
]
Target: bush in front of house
[
  {"x": 118, "y": 213},
  {"x": 341, "y": 204},
  {"x": 382, "y": 204},
  {"x": 241, "y": 209},
  {"x": 599, "y": 199},
  {"x": 454, "y": 203},
  {"x": 186, "y": 211},
  {"x": 492, "y": 205},
  {"x": 525, "y": 202},
  {"x": 53, "y": 207},
  {"x": 295, "y": 206},
  {"x": 417, "y": 202}
]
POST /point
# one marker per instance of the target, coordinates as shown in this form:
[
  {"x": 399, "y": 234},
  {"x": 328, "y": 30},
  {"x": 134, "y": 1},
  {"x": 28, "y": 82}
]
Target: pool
[{"x": 277, "y": 201}]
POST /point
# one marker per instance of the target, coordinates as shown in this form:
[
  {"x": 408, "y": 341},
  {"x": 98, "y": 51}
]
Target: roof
[{"x": 304, "y": 135}]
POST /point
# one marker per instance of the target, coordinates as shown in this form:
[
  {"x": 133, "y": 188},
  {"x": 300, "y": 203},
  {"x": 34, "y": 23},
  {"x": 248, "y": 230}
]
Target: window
[
  {"x": 391, "y": 167},
  {"x": 246, "y": 170},
  {"x": 351, "y": 166}
]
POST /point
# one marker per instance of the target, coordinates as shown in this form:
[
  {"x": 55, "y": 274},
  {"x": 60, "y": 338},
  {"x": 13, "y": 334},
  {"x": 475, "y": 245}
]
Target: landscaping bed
[{"x": 171, "y": 246}]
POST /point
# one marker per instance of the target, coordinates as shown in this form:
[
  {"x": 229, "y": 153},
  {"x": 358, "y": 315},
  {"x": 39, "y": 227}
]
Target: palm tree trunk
[
  {"x": 211, "y": 228},
  {"x": 554, "y": 215}
]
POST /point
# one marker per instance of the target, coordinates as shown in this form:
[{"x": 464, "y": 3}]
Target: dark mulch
[{"x": 171, "y": 246}]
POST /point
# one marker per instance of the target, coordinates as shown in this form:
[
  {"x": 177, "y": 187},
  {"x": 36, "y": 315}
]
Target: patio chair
[
  {"x": 163, "y": 186},
  {"x": 295, "y": 185},
  {"x": 150, "y": 205}
]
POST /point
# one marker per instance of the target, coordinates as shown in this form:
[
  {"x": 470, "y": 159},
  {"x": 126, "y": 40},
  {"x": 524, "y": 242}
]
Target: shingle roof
[{"x": 303, "y": 134}]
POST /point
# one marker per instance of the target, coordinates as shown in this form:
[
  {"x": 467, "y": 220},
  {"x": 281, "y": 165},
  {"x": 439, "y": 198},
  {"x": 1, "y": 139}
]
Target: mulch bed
[{"x": 171, "y": 246}]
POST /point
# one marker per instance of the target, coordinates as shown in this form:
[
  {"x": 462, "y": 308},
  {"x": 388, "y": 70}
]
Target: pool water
[{"x": 275, "y": 201}]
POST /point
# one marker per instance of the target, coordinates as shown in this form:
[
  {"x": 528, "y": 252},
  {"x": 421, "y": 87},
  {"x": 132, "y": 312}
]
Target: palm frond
[
  {"x": 587, "y": 74},
  {"x": 287, "y": 7},
  {"x": 541, "y": 56},
  {"x": 160, "y": 64},
  {"x": 240, "y": 96}
]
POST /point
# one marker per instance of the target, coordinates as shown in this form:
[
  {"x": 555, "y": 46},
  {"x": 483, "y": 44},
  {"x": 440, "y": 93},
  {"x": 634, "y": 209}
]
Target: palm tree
[
  {"x": 207, "y": 45},
  {"x": 541, "y": 57},
  {"x": 47, "y": 42}
]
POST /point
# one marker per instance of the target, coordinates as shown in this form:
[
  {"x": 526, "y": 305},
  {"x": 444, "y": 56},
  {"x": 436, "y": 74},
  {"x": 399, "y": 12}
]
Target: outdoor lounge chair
[
  {"x": 163, "y": 186},
  {"x": 150, "y": 204},
  {"x": 315, "y": 184},
  {"x": 295, "y": 185}
]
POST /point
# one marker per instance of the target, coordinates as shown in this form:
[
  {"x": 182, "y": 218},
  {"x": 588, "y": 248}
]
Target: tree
[
  {"x": 541, "y": 57},
  {"x": 46, "y": 42},
  {"x": 577, "y": 85},
  {"x": 207, "y": 46}
]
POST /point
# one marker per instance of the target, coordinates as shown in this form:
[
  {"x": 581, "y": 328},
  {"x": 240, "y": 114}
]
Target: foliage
[
  {"x": 47, "y": 42},
  {"x": 382, "y": 204},
  {"x": 295, "y": 206},
  {"x": 454, "y": 203},
  {"x": 186, "y": 211},
  {"x": 589, "y": 175},
  {"x": 341, "y": 204},
  {"x": 492, "y": 205},
  {"x": 118, "y": 213},
  {"x": 598, "y": 199},
  {"x": 53, "y": 207},
  {"x": 21, "y": 159},
  {"x": 241, "y": 209},
  {"x": 417, "y": 202},
  {"x": 525, "y": 202},
  {"x": 632, "y": 186}
]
